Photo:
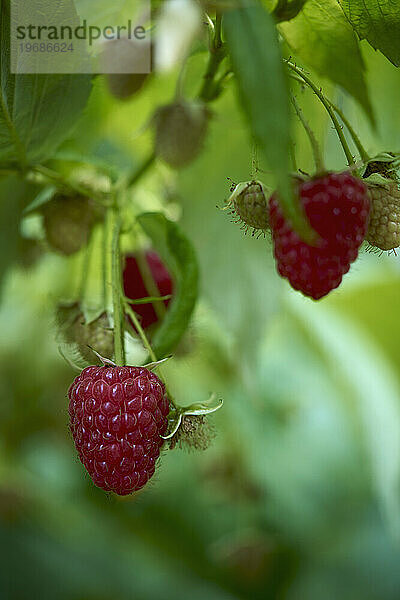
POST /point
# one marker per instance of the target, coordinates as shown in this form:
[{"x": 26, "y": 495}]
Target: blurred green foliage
[{"x": 299, "y": 496}]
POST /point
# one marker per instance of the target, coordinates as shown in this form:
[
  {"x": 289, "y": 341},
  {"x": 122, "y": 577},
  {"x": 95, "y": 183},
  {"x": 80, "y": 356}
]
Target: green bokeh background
[{"x": 299, "y": 495}]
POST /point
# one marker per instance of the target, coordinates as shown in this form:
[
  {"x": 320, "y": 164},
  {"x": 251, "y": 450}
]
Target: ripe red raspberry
[
  {"x": 135, "y": 287},
  {"x": 117, "y": 415},
  {"x": 337, "y": 207}
]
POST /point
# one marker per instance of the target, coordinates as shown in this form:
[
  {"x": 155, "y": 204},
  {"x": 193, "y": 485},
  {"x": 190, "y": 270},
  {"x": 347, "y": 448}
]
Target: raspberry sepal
[{"x": 199, "y": 409}]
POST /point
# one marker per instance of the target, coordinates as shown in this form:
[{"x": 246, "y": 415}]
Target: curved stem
[
  {"x": 363, "y": 153},
  {"x": 319, "y": 164},
  {"x": 119, "y": 346},
  {"x": 131, "y": 313},
  {"x": 331, "y": 112},
  {"x": 254, "y": 160},
  {"x": 136, "y": 323}
]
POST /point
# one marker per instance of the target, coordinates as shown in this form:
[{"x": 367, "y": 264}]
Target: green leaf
[
  {"x": 258, "y": 66},
  {"x": 37, "y": 112},
  {"x": 180, "y": 257},
  {"x": 377, "y": 21},
  {"x": 322, "y": 37},
  {"x": 13, "y": 195},
  {"x": 85, "y": 160}
]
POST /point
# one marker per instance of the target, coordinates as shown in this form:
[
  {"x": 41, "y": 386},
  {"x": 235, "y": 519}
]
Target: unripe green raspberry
[
  {"x": 68, "y": 221},
  {"x": 249, "y": 204},
  {"x": 384, "y": 225},
  {"x": 97, "y": 334},
  {"x": 180, "y": 130},
  {"x": 130, "y": 58},
  {"x": 125, "y": 85}
]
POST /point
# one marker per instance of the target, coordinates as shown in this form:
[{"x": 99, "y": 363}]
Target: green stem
[
  {"x": 119, "y": 345},
  {"x": 363, "y": 153},
  {"x": 139, "y": 329},
  {"x": 148, "y": 299},
  {"x": 140, "y": 171},
  {"x": 218, "y": 31},
  {"x": 131, "y": 313},
  {"x": 319, "y": 164},
  {"x": 328, "y": 107},
  {"x": 104, "y": 259},
  {"x": 254, "y": 161},
  {"x": 217, "y": 54}
]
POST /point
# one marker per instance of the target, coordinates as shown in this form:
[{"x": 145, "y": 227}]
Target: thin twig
[
  {"x": 319, "y": 164},
  {"x": 119, "y": 346},
  {"x": 318, "y": 92},
  {"x": 131, "y": 313},
  {"x": 363, "y": 153}
]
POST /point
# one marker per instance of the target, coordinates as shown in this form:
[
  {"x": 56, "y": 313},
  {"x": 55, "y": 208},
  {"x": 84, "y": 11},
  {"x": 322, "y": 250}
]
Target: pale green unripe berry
[
  {"x": 96, "y": 334},
  {"x": 384, "y": 226},
  {"x": 180, "y": 131},
  {"x": 250, "y": 205}
]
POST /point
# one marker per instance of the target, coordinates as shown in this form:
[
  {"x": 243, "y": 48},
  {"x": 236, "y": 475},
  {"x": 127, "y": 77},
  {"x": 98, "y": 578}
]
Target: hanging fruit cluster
[
  {"x": 344, "y": 209},
  {"x": 122, "y": 417}
]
